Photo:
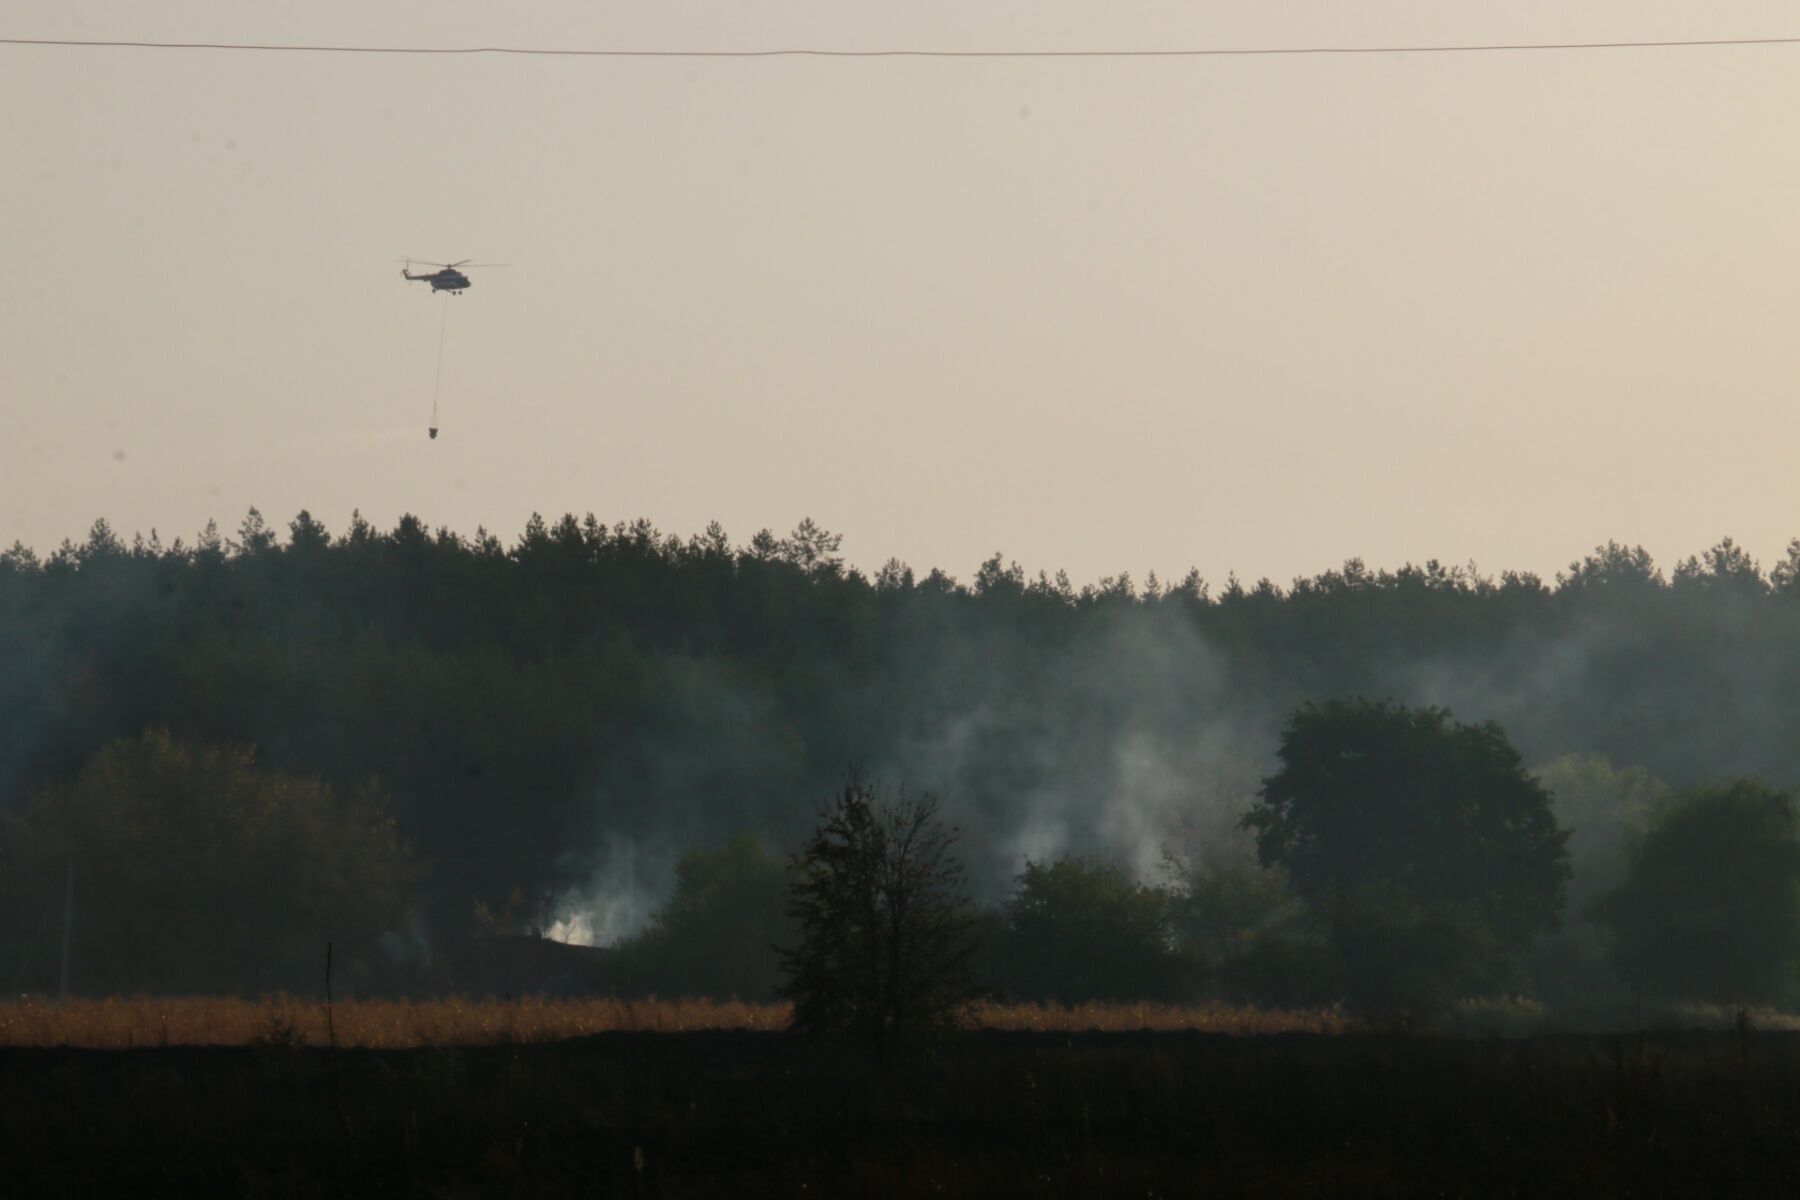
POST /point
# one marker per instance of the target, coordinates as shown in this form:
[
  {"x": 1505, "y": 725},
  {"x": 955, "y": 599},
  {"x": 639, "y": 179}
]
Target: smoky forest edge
[{"x": 1419, "y": 803}]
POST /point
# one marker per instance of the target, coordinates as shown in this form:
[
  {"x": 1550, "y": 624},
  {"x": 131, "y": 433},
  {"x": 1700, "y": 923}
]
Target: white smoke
[
  {"x": 1117, "y": 745},
  {"x": 627, "y": 886}
]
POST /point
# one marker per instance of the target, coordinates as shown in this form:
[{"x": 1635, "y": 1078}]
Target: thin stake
[
  {"x": 330, "y": 1027},
  {"x": 62, "y": 985}
]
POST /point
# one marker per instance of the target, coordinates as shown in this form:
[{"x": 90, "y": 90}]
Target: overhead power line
[{"x": 799, "y": 52}]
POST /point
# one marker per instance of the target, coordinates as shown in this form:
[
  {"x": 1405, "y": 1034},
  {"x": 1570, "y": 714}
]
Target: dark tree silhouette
[
  {"x": 196, "y": 870},
  {"x": 1077, "y": 930},
  {"x": 1710, "y": 905},
  {"x": 525, "y": 697},
  {"x": 717, "y": 934},
  {"x": 1428, "y": 853},
  {"x": 1243, "y": 933},
  {"x": 883, "y": 923}
]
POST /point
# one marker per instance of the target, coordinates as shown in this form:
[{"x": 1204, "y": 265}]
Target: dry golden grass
[
  {"x": 1158, "y": 1018},
  {"x": 1726, "y": 1016},
  {"x": 124, "y": 1022}
]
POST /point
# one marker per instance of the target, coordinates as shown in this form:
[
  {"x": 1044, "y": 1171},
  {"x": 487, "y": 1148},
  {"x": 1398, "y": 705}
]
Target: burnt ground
[{"x": 757, "y": 1114}]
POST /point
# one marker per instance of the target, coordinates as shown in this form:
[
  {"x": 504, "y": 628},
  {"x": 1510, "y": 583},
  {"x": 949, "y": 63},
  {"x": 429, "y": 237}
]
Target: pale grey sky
[{"x": 1253, "y": 314}]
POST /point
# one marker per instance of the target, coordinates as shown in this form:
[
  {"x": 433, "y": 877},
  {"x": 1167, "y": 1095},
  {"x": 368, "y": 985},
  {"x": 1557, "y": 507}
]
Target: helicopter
[{"x": 448, "y": 279}]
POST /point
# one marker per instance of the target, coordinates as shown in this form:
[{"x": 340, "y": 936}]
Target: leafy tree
[
  {"x": 1415, "y": 839},
  {"x": 1710, "y": 907},
  {"x": 196, "y": 870},
  {"x": 1398, "y": 956},
  {"x": 1243, "y": 931},
  {"x": 1080, "y": 930},
  {"x": 1606, "y": 809},
  {"x": 718, "y": 932},
  {"x": 883, "y": 923}
]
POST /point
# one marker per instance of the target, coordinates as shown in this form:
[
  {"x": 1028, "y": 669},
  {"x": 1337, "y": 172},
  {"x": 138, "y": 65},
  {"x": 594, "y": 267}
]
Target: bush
[
  {"x": 1710, "y": 906},
  {"x": 1077, "y": 930},
  {"x": 1246, "y": 936},
  {"x": 196, "y": 871},
  {"x": 717, "y": 934}
]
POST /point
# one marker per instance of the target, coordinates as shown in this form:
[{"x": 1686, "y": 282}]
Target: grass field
[
  {"x": 126, "y": 1022},
  {"x": 191, "y": 1096},
  {"x": 458, "y": 1097},
  {"x": 123, "y": 1023},
  {"x": 130, "y": 1022},
  {"x": 748, "y": 1114}
]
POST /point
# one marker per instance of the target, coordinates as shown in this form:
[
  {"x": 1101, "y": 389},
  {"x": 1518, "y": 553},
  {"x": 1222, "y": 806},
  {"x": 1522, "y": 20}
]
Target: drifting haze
[{"x": 559, "y": 719}]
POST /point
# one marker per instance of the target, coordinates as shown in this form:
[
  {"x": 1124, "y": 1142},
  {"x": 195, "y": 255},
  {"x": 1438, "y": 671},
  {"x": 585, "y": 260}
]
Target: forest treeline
[{"x": 524, "y": 709}]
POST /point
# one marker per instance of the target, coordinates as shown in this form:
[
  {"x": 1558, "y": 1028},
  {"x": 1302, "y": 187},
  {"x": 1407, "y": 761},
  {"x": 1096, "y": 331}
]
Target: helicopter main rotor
[{"x": 455, "y": 266}]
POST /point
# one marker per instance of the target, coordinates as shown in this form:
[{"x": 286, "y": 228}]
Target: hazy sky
[{"x": 1257, "y": 314}]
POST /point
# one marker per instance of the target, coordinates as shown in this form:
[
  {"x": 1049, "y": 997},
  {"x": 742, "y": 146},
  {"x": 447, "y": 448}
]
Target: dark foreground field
[{"x": 747, "y": 1114}]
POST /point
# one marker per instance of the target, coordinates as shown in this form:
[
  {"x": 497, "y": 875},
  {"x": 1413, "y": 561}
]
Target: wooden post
[
  {"x": 330, "y": 1027},
  {"x": 62, "y": 985}
]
